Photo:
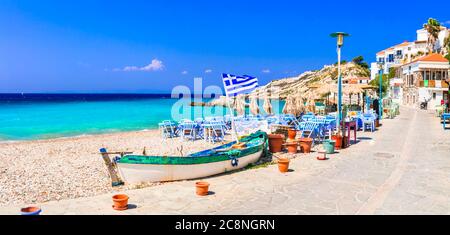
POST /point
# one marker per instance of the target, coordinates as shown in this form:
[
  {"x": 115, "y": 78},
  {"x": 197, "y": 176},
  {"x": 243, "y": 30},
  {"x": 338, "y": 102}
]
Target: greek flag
[{"x": 235, "y": 85}]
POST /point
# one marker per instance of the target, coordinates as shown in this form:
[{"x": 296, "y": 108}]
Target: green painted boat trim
[{"x": 259, "y": 139}]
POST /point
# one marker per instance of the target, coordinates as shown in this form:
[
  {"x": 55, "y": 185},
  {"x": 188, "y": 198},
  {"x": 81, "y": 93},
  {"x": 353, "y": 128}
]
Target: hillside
[{"x": 302, "y": 83}]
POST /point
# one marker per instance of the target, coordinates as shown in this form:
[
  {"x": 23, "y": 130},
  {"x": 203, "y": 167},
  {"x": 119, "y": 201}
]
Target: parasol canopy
[
  {"x": 239, "y": 104},
  {"x": 254, "y": 108},
  {"x": 290, "y": 105},
  {"x": 299, "y": 104},
  {"x": 327, "y": 88}
]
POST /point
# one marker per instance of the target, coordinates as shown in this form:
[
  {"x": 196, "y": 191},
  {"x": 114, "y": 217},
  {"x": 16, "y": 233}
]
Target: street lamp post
[
  {"x": 380, "y": 100},
  {"x": 340, "y": 42}
]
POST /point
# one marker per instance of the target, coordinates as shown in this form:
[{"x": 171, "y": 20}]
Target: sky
[{"x": 153, "y": 46}]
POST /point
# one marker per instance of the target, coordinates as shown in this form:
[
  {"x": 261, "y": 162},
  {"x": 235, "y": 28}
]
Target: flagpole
[{"x": 233, "y": 125}]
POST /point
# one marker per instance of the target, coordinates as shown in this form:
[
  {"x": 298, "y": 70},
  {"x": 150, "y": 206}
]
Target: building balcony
[{"x": 433, "y": 84}]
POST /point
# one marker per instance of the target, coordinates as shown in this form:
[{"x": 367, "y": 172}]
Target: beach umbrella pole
[{"x": 233, "y": 124}]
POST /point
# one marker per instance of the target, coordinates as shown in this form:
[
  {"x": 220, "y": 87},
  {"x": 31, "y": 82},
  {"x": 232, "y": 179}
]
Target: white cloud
[
  {"x": 208, "y": 71},
  {"x": 184, "y": 72},
  {"x": 447, "y": 22},
  {"x": 266, "y": 71},
  {"x": 155, "y": 65}
]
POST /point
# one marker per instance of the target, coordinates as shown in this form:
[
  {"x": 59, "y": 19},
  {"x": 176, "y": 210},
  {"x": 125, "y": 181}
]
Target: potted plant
[{"x": 276, "y": 142}]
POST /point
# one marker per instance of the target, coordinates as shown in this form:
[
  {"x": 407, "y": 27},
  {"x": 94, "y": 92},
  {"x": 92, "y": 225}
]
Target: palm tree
[
  {"x": 446, "y": 50},
  {"x": 433, "y": 27}
]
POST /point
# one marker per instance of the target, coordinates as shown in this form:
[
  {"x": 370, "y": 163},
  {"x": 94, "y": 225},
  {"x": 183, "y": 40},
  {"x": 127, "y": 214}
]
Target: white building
[
  {"x": 395, "y": 56},
  {"x": 356, "y": 80},
  {"x": 426, "y": 79}
]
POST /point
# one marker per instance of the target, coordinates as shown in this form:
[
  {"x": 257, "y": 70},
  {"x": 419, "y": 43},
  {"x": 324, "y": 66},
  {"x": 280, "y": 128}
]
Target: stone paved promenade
[{"x": 404, "y": 168}]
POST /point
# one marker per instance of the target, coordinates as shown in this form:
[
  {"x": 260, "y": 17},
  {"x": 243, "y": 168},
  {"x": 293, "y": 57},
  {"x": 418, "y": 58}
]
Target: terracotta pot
[
  {"x": 275, "y": 143},
  {"x": 292, "y": 147},
  {"x": 292, "y": 134},
  {"x": 338, "y": 141},
  {"x": 305, "y": 144},
  {"x": 120, "y": 202},
  {"x": 202, "y": 188},
  {"x": 283, "y": 165},
  {"x": 32, "y": 210}
]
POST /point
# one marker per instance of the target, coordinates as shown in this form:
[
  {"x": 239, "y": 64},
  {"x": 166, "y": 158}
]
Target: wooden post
[{"x": 112, "y": 170}]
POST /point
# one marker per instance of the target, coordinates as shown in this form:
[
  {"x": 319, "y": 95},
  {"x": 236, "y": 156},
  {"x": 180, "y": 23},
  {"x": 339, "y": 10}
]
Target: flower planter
[
  {"x": 292, "y": 147},
  {"x": 275, "y": 143},
  {"x": 283, "y": 165},
  {"x": 328, "y": 146},
  {"x": 292, "y": 134},
  {"x": 120, "y": 202},
  {"x": 305, "y": 144},
  {"x": 202, "y": 188},
  {"x": 30, "y": 210},
  {"x": 338, "y": 141}
]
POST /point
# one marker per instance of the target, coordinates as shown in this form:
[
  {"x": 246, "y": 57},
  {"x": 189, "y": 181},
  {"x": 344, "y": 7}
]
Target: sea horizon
[{"x": 35, "y": 116}]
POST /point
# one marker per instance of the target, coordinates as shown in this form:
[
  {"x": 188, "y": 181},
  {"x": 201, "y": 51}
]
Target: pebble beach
[{"x": 55, "y": 169}]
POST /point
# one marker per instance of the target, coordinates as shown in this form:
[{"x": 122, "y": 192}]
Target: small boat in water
[{"x": 135, "y": 169}]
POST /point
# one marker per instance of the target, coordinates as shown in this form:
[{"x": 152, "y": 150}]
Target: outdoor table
[
  {"x": 445, "y": 116},
  {"x": 348, "y": 126},
  {"x": 206, "y": 131}
]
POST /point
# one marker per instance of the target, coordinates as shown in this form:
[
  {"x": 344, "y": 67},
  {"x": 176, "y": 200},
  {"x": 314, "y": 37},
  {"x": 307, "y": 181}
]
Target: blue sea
[{"x": 45, "y": 116}]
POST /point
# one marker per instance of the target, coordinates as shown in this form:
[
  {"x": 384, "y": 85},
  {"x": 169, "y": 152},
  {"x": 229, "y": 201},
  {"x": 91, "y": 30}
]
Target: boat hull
[{"x": 147, "y": 173}]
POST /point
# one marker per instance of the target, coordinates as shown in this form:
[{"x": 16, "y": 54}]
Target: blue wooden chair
[
  {"x": 189, "y": 130},
  {"x": 368, "y": 122},
  {"x": 217, "y": 132},
  {"x": 168, "y": 129}
]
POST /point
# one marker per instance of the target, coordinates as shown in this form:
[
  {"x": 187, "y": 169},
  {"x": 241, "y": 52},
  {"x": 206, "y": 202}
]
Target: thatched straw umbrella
[
  {"x": 353, "y": 89},
  {"x": 299, "y": 104},
  {"x": 289, "y": 107},
  {"x": 239, "y": 104},
  {"x": 268, "y": 106},
  {"x": 327, "y": 89},
  {"x": 254, "y": 108},
  {"x": 311, "y": 98}
]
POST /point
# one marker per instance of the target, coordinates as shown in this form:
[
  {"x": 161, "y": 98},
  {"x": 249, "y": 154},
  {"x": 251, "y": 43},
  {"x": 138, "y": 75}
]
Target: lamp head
[{"x": 340, "y": 37}]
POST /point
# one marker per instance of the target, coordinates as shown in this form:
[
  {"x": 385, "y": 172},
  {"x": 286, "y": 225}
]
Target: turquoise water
[
  {"x": 43, "y": 120},
  {"x": 51, "y": 120}
]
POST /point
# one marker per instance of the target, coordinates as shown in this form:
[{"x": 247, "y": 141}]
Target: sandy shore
[{"x": 48, "y": 170}]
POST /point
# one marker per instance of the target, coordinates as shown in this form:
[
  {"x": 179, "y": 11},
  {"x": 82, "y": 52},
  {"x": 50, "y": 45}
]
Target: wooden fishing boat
[{"x": 135, "y": 169}]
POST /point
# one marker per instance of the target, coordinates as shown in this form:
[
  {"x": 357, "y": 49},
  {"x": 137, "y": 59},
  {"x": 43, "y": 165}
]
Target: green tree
[
  {"x": 447, "y": 46},
  {"x": 433, "y": 27},
  {"x": 391, "y": 73},
  {"x": 385, "y": 84},
  {"x": 359, "y": 60}
]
